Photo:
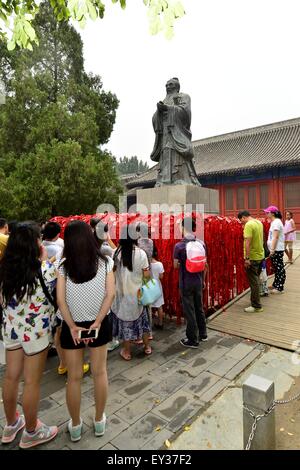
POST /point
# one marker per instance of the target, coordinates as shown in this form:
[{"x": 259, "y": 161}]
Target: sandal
[
  {"x": 62, "y": 370},
  {"x": 126, "y": 356},
  {"x": 148, "y": 350}
]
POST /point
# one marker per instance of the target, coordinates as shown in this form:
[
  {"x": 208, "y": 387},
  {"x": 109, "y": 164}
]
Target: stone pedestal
[{"x": 176, "y": 198}]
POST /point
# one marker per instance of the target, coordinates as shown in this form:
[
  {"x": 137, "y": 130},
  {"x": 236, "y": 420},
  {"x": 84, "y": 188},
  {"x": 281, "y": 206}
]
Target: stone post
[{"x": 258, "y": 396}]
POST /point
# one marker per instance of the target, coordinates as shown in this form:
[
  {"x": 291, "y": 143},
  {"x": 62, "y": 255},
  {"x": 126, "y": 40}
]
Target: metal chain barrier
[
  {"x": 257, "y": 418},
  {"x": 284, "y": 402}
]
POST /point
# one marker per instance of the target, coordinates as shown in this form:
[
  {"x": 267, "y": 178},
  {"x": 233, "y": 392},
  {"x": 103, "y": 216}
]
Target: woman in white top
[
  {"x": 85, "y": 291},
  {"x": 276, "y": 247},
  {"x": 130, "y": 320}
]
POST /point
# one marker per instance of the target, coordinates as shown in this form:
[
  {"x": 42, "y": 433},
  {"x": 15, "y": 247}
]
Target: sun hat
[{"x": 271, "y": 209}]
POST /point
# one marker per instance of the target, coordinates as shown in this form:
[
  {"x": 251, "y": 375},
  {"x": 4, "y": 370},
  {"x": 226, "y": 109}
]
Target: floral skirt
[{"x": 130, "y": 330}]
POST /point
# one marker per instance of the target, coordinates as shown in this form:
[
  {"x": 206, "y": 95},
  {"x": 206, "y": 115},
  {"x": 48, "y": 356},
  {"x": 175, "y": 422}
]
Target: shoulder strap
[
  {"x": 115, "y": 258},
  {"x": 45, "y": 289}
]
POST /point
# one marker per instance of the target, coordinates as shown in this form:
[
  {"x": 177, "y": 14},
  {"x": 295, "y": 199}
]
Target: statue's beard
[{"x": 169, "y": 97}]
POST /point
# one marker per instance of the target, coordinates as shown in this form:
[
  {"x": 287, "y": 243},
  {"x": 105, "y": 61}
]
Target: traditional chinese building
[{"x": 252, "y": 169}]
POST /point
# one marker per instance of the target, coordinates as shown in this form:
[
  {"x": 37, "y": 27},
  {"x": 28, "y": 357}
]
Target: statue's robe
[{"x": 173, "y": 147}]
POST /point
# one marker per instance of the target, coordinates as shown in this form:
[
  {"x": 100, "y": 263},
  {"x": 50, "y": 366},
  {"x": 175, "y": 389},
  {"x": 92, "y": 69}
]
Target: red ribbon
[{"x": 223, "y": 237}]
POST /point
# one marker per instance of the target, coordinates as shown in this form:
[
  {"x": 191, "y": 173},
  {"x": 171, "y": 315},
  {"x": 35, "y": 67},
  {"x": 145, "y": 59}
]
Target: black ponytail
[{"x": 277, "y": 215}]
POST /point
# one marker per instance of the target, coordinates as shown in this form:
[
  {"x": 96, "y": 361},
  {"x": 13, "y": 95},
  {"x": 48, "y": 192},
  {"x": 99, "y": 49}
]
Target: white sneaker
[
  {"x": 99, "y": 426},
  {"x": 252, "y": 309},
  {"x": 75, "y": 431},
  {"x": 276, "y": 292},
  {"x": 249, "y": 309},
  {"x": 114, "y": 344}
]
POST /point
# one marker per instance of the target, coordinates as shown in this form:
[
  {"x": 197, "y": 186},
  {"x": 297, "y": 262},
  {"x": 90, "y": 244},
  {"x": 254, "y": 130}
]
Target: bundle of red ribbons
[{"x": 223, "y": 237}]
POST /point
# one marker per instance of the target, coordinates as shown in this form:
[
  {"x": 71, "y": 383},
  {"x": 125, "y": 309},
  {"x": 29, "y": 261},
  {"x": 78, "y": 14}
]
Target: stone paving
[
  {"x": 220, "y": 426},
  {"x": 151, "y": 399}
]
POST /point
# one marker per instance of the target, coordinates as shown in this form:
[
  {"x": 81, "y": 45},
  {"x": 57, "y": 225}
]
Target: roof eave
[{"x": 231, "y": 171}]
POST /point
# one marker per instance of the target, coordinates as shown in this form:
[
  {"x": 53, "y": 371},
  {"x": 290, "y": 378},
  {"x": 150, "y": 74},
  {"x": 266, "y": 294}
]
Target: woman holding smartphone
[{"x": 85, "y": 291}]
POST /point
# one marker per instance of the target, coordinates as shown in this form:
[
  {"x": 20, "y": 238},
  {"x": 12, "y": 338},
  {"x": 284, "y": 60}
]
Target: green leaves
[
  {"x": 56, "y": 179},
  {"x": 82, "y": 10},
  {"x": 92, "y": 11},
  {"x": 53, "y": 120},
  {"x": 179, "y": 10},
  {"x": 28, "y": 29},
  {"x": 11, "y": 45},
  {"x": 122, "y": 3},
  {"x": 23, "y": 34},
  {"x": 18, "y": 15},
  {"x": 162, "y": 15}
]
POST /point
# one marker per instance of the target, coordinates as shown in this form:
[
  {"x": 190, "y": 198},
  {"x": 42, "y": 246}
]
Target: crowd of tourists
[
  {"x": 257, "y": 250},
  {"x": 84, "y": 291}
]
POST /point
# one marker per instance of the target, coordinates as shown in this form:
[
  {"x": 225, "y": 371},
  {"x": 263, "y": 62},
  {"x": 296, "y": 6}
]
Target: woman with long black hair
[
  {"x": 130, "y": 319},
  {"x": 85, "y": 291},
  {"x": 25, "y": 276}
]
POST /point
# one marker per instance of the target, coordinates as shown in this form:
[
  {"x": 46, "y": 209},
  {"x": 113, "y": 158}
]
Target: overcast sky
[{"x": 238, "y": 59}]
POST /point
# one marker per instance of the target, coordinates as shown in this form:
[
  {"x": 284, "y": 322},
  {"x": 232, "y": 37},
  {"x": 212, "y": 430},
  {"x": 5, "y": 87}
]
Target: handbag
[{"x": 149, "y": 292}]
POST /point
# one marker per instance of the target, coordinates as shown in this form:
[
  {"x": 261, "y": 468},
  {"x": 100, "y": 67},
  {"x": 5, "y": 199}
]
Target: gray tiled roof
[{"x": 257, "y": 148}]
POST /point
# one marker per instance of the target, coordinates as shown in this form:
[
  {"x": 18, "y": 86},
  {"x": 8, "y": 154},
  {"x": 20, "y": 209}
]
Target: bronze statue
[{"x": 173, "y": 147}]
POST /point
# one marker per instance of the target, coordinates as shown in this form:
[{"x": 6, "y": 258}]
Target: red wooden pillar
[
  {"x": 281, "y": 196},
  {"x": 273, "y": 197},
  {"x": 222, "y": 199}
]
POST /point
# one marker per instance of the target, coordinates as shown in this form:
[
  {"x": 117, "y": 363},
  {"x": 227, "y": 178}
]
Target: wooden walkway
[{"x": 278, "y": 325}]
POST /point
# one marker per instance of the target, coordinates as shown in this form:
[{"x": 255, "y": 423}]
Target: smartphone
[{"x": 93, "y": 334}]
